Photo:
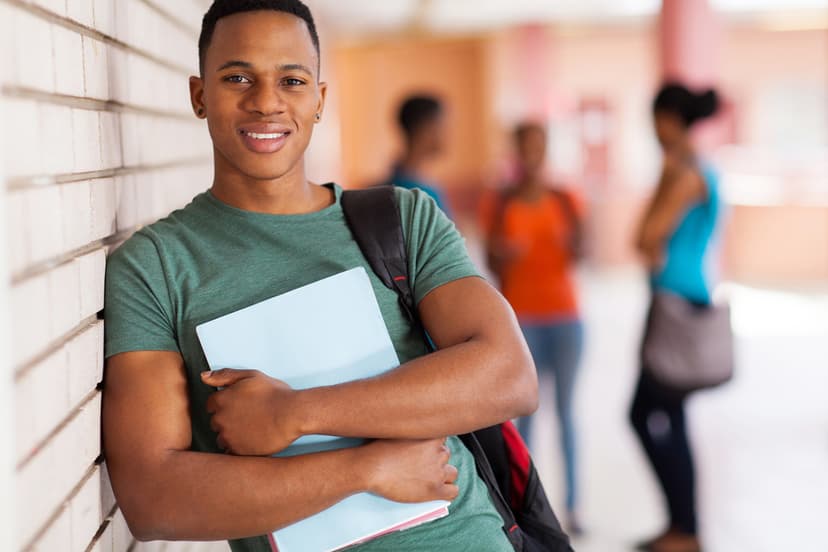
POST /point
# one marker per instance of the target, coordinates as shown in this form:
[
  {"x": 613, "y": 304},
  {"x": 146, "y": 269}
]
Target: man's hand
[
  {"x": 411, "y": 471},
  {"x": 251, "y": 413}
]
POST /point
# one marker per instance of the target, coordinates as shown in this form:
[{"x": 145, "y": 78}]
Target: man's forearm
[
  {"x": 200, "y": 496},
  {"x": 453, "y": 391}
]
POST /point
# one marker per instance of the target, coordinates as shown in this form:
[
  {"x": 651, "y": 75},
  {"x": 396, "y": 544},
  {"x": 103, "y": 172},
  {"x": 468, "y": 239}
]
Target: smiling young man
[{"x": 261, "y": 230}]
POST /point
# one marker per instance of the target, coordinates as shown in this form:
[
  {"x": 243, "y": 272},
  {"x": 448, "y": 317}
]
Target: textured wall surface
[{"x": 98, "y": 138}]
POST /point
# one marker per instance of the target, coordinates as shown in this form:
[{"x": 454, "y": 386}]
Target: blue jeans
[{"x": 556, "y": 348}]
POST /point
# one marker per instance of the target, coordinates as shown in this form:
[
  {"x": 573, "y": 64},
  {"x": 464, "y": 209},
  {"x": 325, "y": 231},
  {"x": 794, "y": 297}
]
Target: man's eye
[
  {"x": 237, "y": 79},
  {"x": 293, "y": 82}
]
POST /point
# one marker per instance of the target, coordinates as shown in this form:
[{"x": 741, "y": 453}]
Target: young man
[
  {"x": 261, "y": 230},
  {"x": 422, "y": 123}
]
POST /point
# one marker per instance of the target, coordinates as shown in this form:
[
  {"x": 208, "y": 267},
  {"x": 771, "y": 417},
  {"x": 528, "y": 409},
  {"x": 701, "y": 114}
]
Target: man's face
[
  {"x": 531, "y": 149},
  {"x": 260, "y": 93},
  {"x": 430, "y": 137}
]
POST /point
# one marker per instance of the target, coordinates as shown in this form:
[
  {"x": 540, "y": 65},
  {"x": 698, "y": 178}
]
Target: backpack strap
[
  {"x": 495, "y": 232},
  {"x": 484, "y": 470},
  {"x": 374, "y": 219},
  {"x": 576, "y": 226}
]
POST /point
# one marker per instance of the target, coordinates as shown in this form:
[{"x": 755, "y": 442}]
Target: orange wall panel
[{"x": 374, "y": 78}]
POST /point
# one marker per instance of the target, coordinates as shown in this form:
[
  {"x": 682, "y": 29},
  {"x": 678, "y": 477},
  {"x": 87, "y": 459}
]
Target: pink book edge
[{"x": 425, "y": 518}]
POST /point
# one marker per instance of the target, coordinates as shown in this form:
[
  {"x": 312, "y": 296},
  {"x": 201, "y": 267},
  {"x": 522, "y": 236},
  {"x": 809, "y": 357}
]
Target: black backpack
[{"x": 501, "y": 456}]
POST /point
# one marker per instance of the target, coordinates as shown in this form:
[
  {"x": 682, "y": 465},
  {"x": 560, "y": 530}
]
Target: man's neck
[
  {"x": 291, "y": 194},
  {"x": 531, "y": 187},
  {"x": 412, "y": 163}
]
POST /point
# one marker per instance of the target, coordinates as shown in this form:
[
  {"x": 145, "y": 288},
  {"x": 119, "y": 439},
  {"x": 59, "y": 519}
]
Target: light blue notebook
[{"x": 327, "y": 332}]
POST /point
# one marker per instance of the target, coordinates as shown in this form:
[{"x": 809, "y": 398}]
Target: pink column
[
  {"x": 534, "y": 54},
  {"x": 690, "y": 40},
  {"x": 528, "y": 67}
]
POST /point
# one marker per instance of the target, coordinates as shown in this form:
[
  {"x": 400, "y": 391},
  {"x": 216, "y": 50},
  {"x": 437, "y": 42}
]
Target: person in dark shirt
[{"x": 422, "y": 122}]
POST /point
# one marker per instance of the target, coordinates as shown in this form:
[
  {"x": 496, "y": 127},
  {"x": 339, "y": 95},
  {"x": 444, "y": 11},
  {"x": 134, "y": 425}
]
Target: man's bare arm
[
  {"x": 168, "y": 492},
  {"x": 482, "y": 375}
]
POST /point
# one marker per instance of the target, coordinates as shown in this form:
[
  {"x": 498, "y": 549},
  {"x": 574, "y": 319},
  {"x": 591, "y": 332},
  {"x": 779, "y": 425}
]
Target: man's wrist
[
  {"x": 303, "y": 412},
  {"x": 366, "y": 469}
]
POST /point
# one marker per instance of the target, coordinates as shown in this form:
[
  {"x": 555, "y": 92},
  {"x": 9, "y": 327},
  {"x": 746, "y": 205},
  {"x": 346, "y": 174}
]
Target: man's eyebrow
[
  {"x": 248, "y": 65},
  {"x": 296, "y": 67},
  {"x": 235, "y": 63}
]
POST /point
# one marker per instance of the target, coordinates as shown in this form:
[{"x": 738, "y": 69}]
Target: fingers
[
  {"x": 443, "y": 450},
  {"x": 449, "y": 474},
  {"x": 220, "y": 440},
  {"x": 449, "y": 492},
  {"x": 225, "y": 377},
  {"x": 445, "y": 454}
]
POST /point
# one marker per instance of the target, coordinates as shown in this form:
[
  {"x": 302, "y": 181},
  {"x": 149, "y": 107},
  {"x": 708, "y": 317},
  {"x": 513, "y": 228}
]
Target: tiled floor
[{"x": 761, "y": 442}]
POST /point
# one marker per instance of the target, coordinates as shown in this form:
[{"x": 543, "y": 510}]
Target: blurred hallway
[
  {"x": 99, "y": 140},
  {"x": 761, "y": 442}
]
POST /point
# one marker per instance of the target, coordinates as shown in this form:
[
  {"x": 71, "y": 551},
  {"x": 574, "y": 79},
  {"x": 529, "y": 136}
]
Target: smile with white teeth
[{"x": 258, "y": 136}]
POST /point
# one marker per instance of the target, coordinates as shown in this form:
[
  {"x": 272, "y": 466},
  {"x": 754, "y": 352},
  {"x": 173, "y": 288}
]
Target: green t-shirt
[{"x": 209, "y": 259}]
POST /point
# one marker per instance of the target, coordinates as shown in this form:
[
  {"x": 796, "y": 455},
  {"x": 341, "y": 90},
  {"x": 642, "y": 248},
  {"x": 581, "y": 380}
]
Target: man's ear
[
  {"x": 197, "y": 97},
  {"x": 323, "y": 91}
]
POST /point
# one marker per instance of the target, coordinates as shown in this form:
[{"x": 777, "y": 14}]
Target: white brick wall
[
  {"x": 96, "y": 139},
  {"x": 7, "y": 515},
  {"x": 68, "y": 56}
]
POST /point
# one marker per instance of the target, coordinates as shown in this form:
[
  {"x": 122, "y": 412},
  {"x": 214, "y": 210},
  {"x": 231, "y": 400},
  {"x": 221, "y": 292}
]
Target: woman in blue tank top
[{"x": 675, "y": 239}]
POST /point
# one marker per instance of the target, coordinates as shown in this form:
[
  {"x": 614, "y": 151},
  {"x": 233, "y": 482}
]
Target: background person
[
  {"x": 674, "y": 239},
  {"x": 534, "y": 238},
  {"x": 421, "y": 120}
]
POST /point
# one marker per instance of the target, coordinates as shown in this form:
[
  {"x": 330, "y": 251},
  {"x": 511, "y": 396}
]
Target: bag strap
[
  {"x": 373, "y": 216},
  {"x": 496, "y": 230},
  {"x": 374, "y": 219},
  {"x": 574, "y": 220},
  {"x": 484, "y": 470},
  {"x": 568, "y": 206}
]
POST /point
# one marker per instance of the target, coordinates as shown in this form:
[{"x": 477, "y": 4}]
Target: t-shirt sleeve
[
  {"x": 436, "y": 251},
  {"x": 138, "y": 311}
]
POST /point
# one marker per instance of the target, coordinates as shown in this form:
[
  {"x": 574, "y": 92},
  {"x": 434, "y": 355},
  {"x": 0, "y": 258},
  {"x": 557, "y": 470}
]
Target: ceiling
[{"x": 370, "y": 16}]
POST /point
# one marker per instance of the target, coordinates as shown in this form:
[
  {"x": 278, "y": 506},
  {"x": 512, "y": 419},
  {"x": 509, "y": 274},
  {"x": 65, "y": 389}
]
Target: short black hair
[
  {"x": 689, "y": 106},
  {"x": 224, "y": 8},
  {"x": 415, "y": 111}
]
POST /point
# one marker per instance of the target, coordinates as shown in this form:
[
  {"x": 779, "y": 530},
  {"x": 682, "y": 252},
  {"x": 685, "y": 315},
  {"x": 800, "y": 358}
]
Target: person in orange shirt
[{"x": 534, "y": 236}]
